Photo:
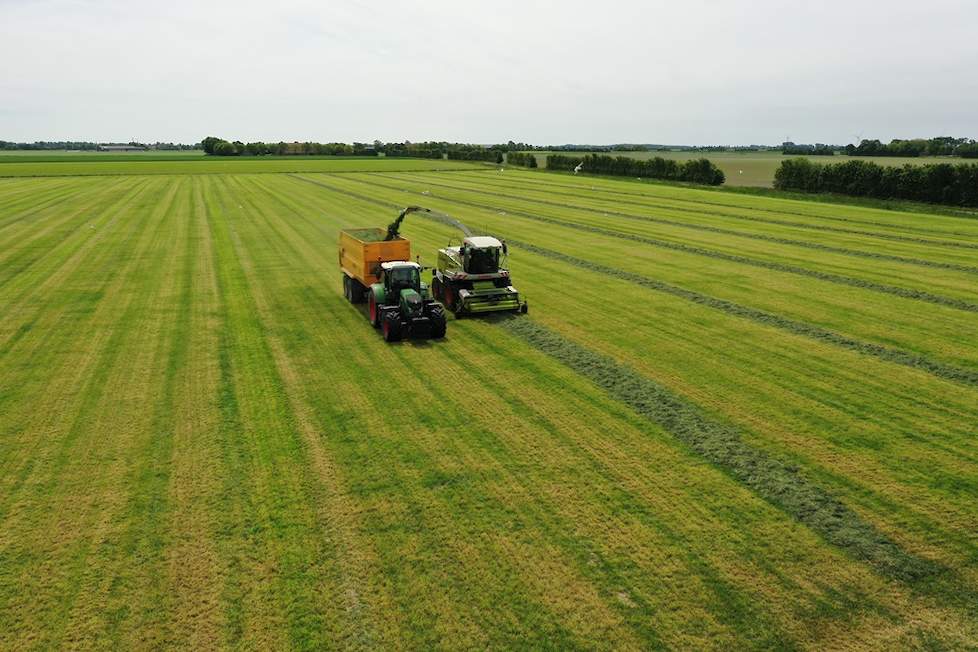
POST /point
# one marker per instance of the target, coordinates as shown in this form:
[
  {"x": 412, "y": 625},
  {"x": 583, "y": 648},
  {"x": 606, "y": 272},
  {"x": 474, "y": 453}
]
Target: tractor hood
[{"x": 411, "y": 303}]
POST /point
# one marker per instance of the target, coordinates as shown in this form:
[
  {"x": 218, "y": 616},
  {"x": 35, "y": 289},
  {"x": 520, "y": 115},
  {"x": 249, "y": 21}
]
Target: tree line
[
  {"x": 699, "y": 170},
  {"x": 941, "y": 146},
  {"x": 220, "y": 147},
  {"x": 476, "y": 154},
  {"x": 818, "y": 149},
  {"x": 936, "y": 183},
  {"x": 525, "y": 159},
  {"x": 435, "y": 150},
  {"x": 88, "y": 146}
]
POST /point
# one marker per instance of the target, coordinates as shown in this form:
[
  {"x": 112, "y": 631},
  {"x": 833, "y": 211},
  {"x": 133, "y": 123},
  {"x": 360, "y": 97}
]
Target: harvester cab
[{"x": 472, "y": 277}]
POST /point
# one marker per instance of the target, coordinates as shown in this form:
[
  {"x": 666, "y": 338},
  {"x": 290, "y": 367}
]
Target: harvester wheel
[
  {"x": 451, "y": 299},
  {"x": 438, "y": 323},
  {"x": 373, "y": 311},
  {"x": 391, "y": 327},
  {"x": 436, "y": 289}
]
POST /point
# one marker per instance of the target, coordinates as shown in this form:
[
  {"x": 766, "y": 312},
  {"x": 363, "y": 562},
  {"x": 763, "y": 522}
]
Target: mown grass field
[
  {"x": 758, "y": 168},
  {"x": 727, "y": 422},
  {"x": 140, "y": 163}
]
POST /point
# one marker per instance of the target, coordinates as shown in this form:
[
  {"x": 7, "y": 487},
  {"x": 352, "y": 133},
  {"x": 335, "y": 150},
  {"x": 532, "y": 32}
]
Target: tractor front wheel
[
  {"x": 391, "y": 326},
  {"x": 373, "y": 311},
  {"x": 438, "y": 323}
]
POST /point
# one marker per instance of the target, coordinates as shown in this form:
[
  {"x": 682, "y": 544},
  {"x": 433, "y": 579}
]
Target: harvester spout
[{"x": 394, "y": 227}]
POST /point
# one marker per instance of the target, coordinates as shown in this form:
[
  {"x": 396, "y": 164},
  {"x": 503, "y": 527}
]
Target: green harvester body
[{"x": 471, "y": 278}]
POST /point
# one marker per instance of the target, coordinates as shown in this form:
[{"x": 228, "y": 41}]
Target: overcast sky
[{"x": 696, "y": 72}]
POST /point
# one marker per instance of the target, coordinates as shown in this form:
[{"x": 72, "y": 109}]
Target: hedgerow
[
  {"x": 940, "y": 183},
  {"x": 476, "y": 154},
  {"x": 699, "y": 170},
  {"x": 524, "y": 159}
]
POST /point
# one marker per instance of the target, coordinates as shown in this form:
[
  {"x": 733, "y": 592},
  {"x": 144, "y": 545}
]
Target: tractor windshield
[
  {"x": 483, "y": 261},
  {"x": 405, "y": 277}
]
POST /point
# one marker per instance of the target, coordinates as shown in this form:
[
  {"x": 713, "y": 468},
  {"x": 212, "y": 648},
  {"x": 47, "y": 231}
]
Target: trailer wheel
[
  {"x": 356, "y": 291},
  {"x": 392, "y": 326},
  {"x": 373, "y": 310},
  {"x": 346, "y": 287}
]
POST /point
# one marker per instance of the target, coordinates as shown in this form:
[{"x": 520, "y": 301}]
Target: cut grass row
[{"x": 818, "y": 391}]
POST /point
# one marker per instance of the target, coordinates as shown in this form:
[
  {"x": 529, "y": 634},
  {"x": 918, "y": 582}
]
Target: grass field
[
  {"x": 727, "y": 421},
  {"x": 84, "y": 164},
  {"x": 757, "y": 168}
]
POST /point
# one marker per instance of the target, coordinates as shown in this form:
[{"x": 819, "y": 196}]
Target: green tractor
[
  {"x": 471, "y": 278},
  {"x": 401, "y": 305}
]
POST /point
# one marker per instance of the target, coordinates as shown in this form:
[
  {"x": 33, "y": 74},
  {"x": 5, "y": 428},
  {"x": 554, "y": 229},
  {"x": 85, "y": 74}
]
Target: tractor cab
[
  {"x": 402, "y": 285},
  {"x": 401, "y": 275}
]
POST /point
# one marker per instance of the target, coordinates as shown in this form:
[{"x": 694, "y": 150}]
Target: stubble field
[{"x": 726, "y": 421}]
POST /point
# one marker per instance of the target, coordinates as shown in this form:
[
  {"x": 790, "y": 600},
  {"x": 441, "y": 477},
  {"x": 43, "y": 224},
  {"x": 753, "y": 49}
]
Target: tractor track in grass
[
  {"x": 843, "y": 251},
  {"x": 847, "y": 220},
  {"x": 901, "y": 357},
  {"x": 721, "y": 444},
  {"x": 903, "y": 292}
]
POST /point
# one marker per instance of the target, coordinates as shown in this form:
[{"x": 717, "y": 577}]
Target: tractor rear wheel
[
  {"x": 373, "y": 311},
  {"x": 391, "y": 326}
]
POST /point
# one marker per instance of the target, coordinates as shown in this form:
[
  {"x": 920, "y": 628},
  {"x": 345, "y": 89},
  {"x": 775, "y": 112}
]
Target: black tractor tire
[
  {"x": 438, "y": 322},
  {"x": 357, "y": 291},
  {"x": 391, "y": 326},
  {"x": 374, "y": 312}
]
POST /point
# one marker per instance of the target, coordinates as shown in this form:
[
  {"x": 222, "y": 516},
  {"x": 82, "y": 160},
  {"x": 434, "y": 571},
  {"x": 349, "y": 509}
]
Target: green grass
[
  {"x": 139, "y": 164},
  {"x": 727, "y": 421},
  {"x": 754, "y": 168}
]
